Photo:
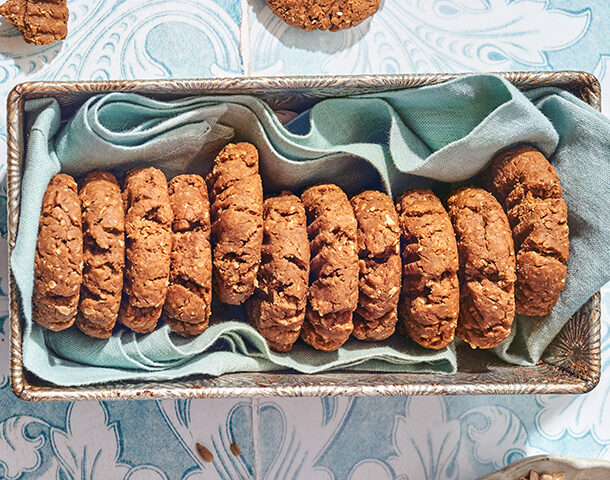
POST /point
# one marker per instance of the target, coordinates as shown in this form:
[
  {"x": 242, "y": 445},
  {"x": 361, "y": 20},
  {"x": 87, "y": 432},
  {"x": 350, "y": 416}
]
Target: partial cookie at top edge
[{"x": 324, "y": 15}]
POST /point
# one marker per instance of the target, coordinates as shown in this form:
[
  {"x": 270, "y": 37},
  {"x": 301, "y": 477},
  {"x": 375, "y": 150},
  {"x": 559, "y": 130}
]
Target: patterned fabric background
[{"x": 433, "y": 438}]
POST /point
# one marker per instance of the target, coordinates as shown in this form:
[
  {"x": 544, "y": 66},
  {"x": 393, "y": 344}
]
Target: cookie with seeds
[
  {"x": 103, "y": 221},
  {"x": 236, "y": 194},
  {"x": 333, "y": 290},
  {"x": 378, "y": 243},
  {"x": 527, "y": 185},
  {"x": 39, "y": 21},
  {"x": 430, "y": 297},
  {"x": 324, "y": 14},
  {"x": 189, "y": 295},
  {"x": 58, "y": 261},
  {"x": 277, "y": 308},
  {"x": 487, "y": 267},
  {"x": 148, "y": 243}
]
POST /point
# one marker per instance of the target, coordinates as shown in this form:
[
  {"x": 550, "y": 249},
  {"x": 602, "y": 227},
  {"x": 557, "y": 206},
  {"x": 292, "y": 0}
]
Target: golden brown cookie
[
  {"x": 378, "y": 245},
  {"x": 487, "y": 267},
  {"x": 14, "y": 12},
  {"x": 324, "y": 14},
  {"x": 527, "y": 185},
  {"x": 103, "y": 219},
  {"x": 236, "y": 194},
  {"x": 39, "y": 21},
  {"x": 148, "y": 222},
  {"x": 333, "y": 291},
  {"x": 277, "y": 308},
  {"x": 430, "y": 300},
  {"x": 189, "y": 296},
  {"x": 58, "y": 262}
]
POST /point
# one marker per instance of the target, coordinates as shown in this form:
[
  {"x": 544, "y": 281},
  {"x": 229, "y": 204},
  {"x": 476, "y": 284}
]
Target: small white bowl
[{"x": 574, "y": 468}]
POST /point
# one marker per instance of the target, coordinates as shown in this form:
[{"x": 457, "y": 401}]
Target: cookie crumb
[{"x": 204, "y": 453}]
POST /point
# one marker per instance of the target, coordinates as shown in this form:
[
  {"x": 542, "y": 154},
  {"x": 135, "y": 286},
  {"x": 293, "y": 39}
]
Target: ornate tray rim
[{"x": 565, "y": 375}]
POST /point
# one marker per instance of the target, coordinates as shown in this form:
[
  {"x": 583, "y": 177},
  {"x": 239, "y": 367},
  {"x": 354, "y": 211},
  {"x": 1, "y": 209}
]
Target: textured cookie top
[
  {"x": 323, "y": 14},
  {"x": 430, "y": 303},
  {"x": 526, "y": 183},
  {"x": 332, "y": 230},
  {"x": 428, "y": 230},
  {"x": 45, "y": 21},
  {"x": 103, "y": 253},
  {"x": 39, "y": 21},
  {"x": 487, "y": 267},
  {"x": 189, "y": 201},
  {"x": 236, "y": 193},
  {"x": 191, "y": 260},
  {"x": 522, "y": 169},
  {"x": 146, "y": 199},
  {"x": 378, "y": 230},
  {"x": 285, "y": 267},
  {"x": 148, "y": 222},
  {"x": 278, "y": 307},
  {"x": 103, "y": 212},
  {"x": 541, "y": 225},
  {"x": 484, "y": 239},
  {"x": 58, "y": 262},
  {"x": 188, "y": 303}
]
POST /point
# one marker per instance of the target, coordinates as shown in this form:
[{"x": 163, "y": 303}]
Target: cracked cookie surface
[
  {"x": 189, "y": 295},
  {"x": 148, "y": 242},
  {"x": 58, "y": 260},
  {"x": 333, "y": 290},
  {"x": 103, "y": 221},
  {"x": 40, "y": 22},
  {"x": 528, "y": 187},
  {"x": 430, "y": 297},
  {"x": 378, "y": 243},
  {"x": 277, "y": 308},
  {"x": 324, "y": 14},
  {"x": 236, "y": 195},
  {"x": 487, "y": 267}
]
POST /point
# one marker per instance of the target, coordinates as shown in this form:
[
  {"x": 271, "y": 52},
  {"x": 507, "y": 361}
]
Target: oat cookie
[
  {"x": 430, "y": 298},
  {"x": 487, "y": 267},
  {"x": 333, "y": 290},
  {"x": 148, "y": 222},
  {"x": 236, "y": 194},
  {"x": 378, "y": 244},
  {"x": 103, "y": 219},
  {"x": 39, "y": 21},
  {"x": 324, "y": 14},
  {"x": 527, "y": 185},
  {"x": 189, "y": 296},
  {"x": 277, "y": 308},
  {"x": 58, "y": 262}
]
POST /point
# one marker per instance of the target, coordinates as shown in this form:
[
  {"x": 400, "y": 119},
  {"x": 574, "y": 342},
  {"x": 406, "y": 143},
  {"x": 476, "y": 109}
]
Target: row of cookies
[{"x": 320, "y": 267}]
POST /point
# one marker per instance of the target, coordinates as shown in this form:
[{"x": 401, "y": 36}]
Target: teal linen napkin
[{"x": 393, "y": 141}]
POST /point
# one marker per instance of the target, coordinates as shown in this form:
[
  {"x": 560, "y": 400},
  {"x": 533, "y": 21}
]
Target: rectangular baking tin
[{"x": 572, "y": 361}]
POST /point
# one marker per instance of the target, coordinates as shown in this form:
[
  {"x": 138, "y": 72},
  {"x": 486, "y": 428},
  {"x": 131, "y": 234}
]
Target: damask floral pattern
[{"x": 415, "y": 438}]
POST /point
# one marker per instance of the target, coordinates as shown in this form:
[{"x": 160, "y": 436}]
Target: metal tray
[{"x": 572, "y": 361}]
